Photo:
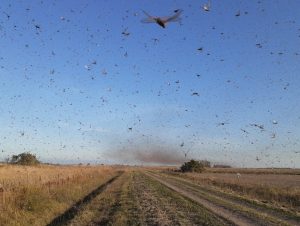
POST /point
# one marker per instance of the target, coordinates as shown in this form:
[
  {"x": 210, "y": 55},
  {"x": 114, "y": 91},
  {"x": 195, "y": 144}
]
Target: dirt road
[
  {"x": 237, "y": 210},
  {"x": 138, "y": 197}
]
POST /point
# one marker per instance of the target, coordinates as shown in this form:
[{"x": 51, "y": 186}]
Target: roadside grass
[
  {"x": 286, "y": 197},
  {"x": 35, "y": 195},
  {"x": 113, "y": 206},
  {"x": 284, "y": 213},
  {"x": 127, "y": 211},
  {"x": 245, "y": 208}
]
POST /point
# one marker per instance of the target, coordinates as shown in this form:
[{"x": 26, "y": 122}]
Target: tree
[
  {"x": 25, "y": 158},
  {"x": 192, "y": 166}
]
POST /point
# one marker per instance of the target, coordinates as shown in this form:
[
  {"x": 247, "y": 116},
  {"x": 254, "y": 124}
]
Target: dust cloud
[{"x": 148, "y": 155}]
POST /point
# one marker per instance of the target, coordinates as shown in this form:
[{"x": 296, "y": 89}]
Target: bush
[
  {"x": 24, "y": 159},
  {"x": 192, "y": 166}
]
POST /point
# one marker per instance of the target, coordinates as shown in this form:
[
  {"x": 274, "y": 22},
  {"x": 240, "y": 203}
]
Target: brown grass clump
[{"x": 34, "y": 195}]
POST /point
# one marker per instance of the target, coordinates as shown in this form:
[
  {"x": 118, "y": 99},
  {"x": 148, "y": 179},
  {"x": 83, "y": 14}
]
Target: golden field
[{"x": 33, "y": 195}]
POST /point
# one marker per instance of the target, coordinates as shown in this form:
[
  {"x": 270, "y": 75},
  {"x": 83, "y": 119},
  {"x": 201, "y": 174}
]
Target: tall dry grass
[{"x": 33, "y": 195}]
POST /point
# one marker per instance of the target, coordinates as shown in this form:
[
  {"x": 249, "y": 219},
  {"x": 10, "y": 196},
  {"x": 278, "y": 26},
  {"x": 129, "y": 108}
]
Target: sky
[{"x": 88, "y": 81}]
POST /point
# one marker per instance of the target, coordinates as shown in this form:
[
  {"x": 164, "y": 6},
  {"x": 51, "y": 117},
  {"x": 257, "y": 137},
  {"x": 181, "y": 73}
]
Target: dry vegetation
[
  {"x": 102, "y": 195},
  {"x": 278, "y": 187},
  {"x": 35, "y": 195},
  {"x": 238, "y": 209},
  {"x": 287, "y": 171}
]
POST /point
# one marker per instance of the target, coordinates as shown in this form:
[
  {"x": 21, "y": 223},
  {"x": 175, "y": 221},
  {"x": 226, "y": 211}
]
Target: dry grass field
[
  {"x": 103, "y": 195},
  {"x": 281, "y": 171},
  {"x": 271, "y": 180},
  {"x": 33, "y": 195}
]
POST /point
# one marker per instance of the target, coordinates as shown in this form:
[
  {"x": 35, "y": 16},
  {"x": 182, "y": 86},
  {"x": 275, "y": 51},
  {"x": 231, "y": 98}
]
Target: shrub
[
  {"x": 192, "y": 166},
  {"x": 24, "y": 159}
]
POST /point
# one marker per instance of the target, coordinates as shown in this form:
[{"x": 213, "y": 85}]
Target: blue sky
[{"x": 75, "y": 89}]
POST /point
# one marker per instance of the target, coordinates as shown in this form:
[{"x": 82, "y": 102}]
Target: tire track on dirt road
[
  {"x": 137, "y": 199},
  {"x": 283, "y": 216},
  {"x": 69, "y": 214},
  {"x": 238, "y": 214},
  {"x": 162, "y": 206}
]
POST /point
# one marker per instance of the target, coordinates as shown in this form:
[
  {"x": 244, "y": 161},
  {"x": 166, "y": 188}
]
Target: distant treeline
[{"x": 221, "y": 166}]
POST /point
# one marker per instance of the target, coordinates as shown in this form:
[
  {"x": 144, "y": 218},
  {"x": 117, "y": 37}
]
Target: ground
[
  {"x": 145, "y": 197},
  {"x": 149, "y": 196}
]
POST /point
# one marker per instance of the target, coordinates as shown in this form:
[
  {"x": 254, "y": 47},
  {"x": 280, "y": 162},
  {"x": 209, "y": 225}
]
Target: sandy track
[{"x": 237, "y": 213}]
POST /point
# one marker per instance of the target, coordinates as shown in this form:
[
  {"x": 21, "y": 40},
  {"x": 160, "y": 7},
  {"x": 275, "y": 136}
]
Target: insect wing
[
  {"x": 173, "y": 18},
  {"x": 148, "y": 20}
]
